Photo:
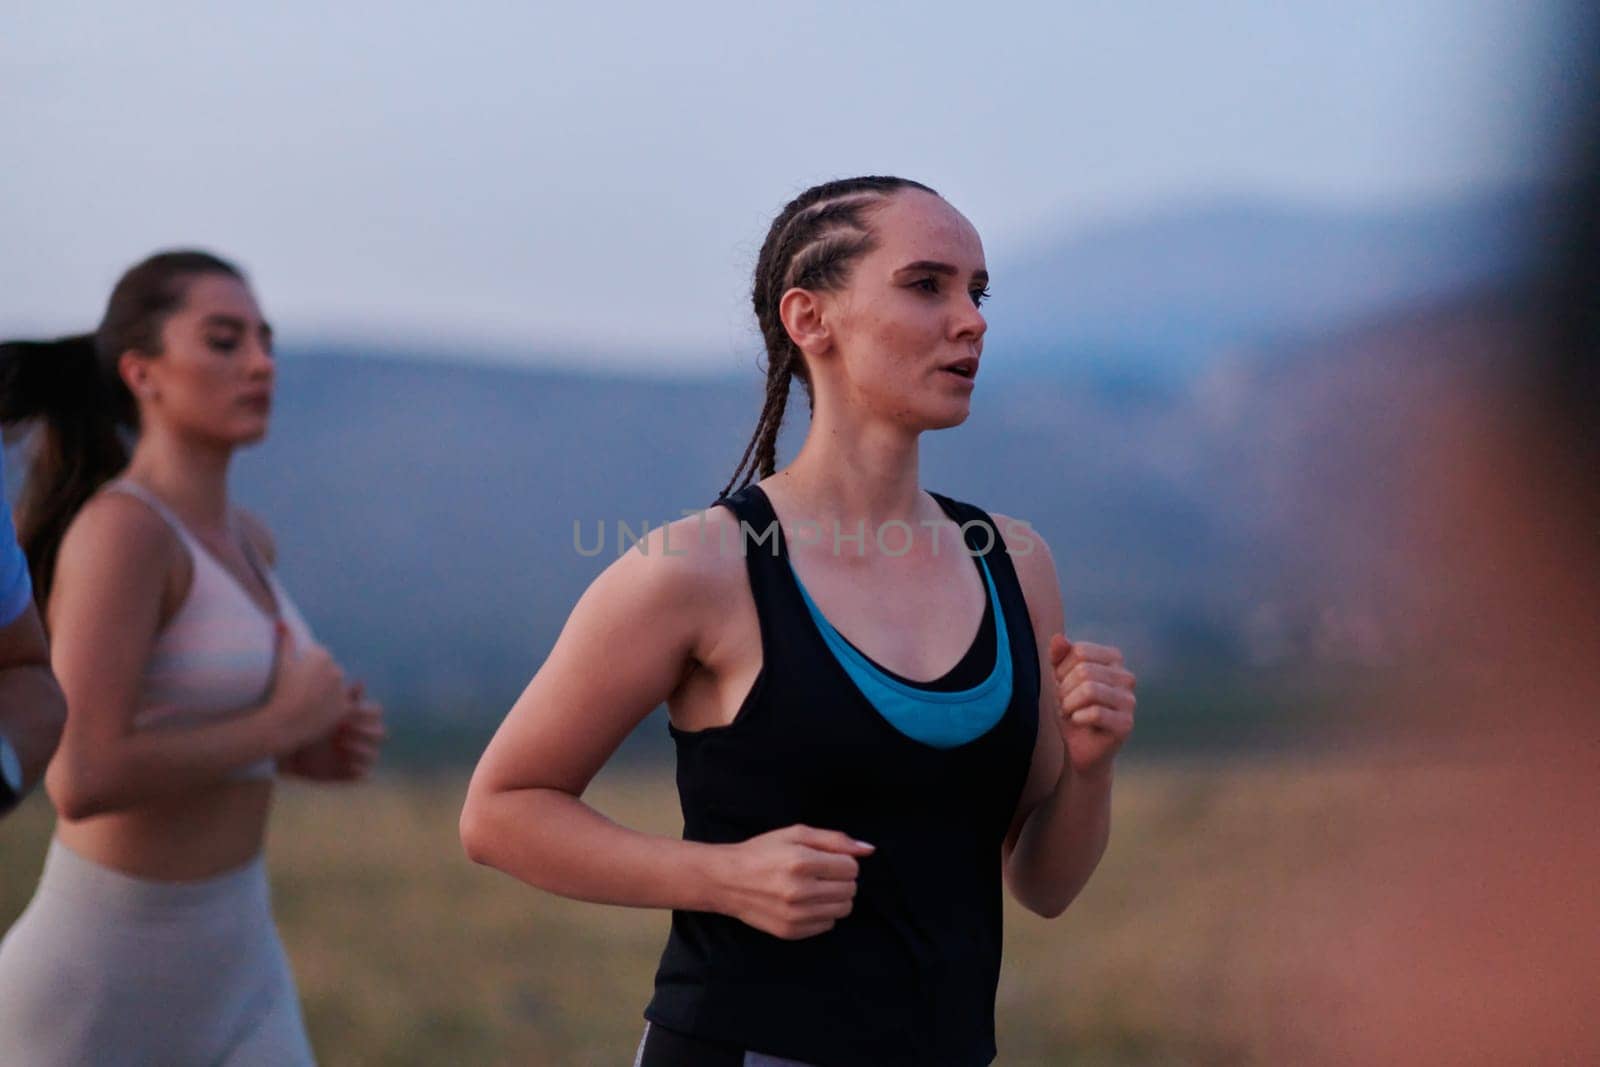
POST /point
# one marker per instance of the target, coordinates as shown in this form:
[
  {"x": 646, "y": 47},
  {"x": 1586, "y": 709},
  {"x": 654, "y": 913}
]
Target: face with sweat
[{"x": 904, "y": 335}]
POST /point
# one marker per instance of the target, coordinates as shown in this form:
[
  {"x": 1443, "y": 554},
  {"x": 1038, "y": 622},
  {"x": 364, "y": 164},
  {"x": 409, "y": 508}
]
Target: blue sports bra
[{"x": 935, "y": 716}]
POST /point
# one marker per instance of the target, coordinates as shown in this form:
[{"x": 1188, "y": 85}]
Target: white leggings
[{"x": 107, "y": 969}]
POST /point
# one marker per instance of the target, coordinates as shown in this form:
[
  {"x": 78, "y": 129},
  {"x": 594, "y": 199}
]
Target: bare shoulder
[
  {"x": 118, "y": 526},
  {"x": 688, "y": 562},
  {"x": 260, "y": 537},
  {"x": 116, "y": 553},
  {"x": 1030, "y": 555}
]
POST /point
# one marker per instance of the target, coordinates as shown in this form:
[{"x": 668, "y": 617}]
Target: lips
[{"x": 966, "y": 368}]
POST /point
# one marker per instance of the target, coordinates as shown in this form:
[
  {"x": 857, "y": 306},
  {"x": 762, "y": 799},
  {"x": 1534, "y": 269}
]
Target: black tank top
[{"x": 909, "y": 976}]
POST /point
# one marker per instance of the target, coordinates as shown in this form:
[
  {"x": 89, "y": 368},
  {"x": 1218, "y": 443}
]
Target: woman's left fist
[{"x": 1097, "y": 701}]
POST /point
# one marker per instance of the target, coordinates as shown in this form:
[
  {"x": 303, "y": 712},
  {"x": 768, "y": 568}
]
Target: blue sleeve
[{"x": 16, "y": 588}]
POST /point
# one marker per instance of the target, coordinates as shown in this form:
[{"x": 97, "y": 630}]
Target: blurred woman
[
  {"x": 190, "y": 678},
  {"x": 877, "y": 717},
  {"x": 31, "y": 707}
]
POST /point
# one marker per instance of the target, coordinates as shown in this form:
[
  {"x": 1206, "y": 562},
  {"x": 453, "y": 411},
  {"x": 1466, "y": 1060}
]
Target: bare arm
[
  {"x": 624, "y": 649},
  {"x": 1063, "y": 821},
  {"x": 105, "y": 611},
  {"x": 31, "y": 706}
]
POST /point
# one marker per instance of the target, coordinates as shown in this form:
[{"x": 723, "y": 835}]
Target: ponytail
[
  {"x": 84, "y": 414},
  {"x": 76, "y": 447}
]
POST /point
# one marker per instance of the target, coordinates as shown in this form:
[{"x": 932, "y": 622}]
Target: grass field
[{"x": 408, "y": 954}]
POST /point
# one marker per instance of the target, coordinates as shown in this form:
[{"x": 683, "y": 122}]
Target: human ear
[
  {"x": 134, "y": 370},
  {"x": 801, "y": 312}
]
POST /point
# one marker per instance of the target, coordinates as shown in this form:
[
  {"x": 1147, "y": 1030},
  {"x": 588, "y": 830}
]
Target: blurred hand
[
  {"x": 795, "y": 882},
  {"x": 347, "y": 752},
  {"x": 1097, "y": 702},
  {"x": 307, "y": 696}
]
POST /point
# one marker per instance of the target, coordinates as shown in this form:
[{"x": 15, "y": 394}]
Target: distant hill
[
  {"x": 426, "y": 511},
  {"x": 425, "y": 514},
  {"x": 1160, "y": 297}
]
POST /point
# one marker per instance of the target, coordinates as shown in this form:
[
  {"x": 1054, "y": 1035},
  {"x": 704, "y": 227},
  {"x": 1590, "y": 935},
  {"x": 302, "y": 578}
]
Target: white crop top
[{"x": 214, "y": 657}]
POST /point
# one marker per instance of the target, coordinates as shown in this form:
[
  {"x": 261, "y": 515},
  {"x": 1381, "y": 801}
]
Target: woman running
[
  {"x": 877, "y": 718},
  {"x": 190, "y": 681}
]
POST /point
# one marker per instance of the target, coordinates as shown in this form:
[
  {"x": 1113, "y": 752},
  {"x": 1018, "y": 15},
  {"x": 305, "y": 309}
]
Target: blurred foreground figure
[{"x": 1462, "y": 926}]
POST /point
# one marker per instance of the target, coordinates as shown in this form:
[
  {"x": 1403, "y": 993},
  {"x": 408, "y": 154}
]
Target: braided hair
[{"x": 810, "y": 245}]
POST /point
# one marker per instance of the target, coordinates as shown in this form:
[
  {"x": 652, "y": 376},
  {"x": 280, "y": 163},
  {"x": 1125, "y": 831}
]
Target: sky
[{"x": 591, "y": 182}]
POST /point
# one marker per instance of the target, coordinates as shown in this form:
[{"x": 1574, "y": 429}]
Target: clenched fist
[{"x": 1097, "y": 701}]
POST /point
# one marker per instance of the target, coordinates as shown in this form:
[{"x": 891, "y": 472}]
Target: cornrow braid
[{"x": 810, "y": 245}]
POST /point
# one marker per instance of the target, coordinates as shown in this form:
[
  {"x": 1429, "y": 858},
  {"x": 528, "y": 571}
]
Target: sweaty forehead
[{"x": 915, "y": 225}]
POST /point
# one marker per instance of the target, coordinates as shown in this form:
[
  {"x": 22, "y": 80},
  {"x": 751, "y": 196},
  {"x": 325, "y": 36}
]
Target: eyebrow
[
  {"x": 935, "y": 267},
  {"x": 234, "y": 322}
]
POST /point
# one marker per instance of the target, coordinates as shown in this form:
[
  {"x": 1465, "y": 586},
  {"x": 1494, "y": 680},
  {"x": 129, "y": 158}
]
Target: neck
[
  {"x": 855, "y": 470},
  {"x": 190, "y": 476}
]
